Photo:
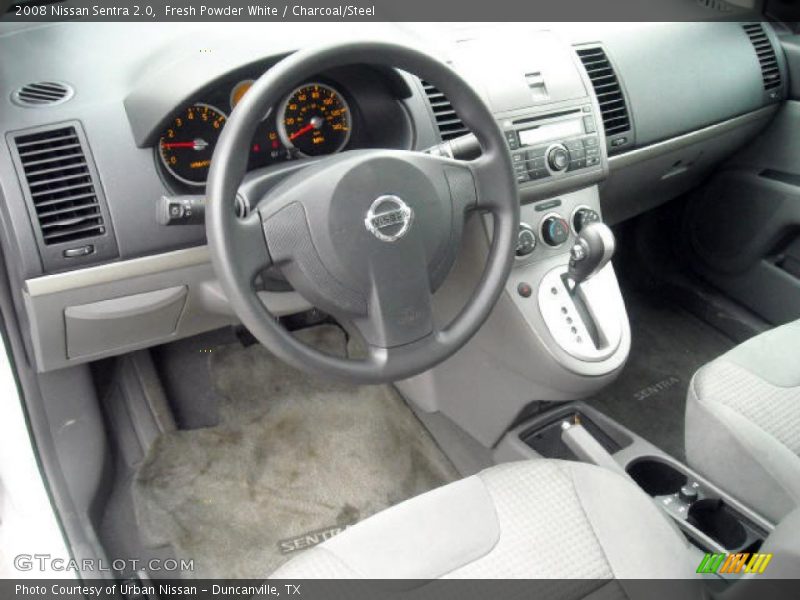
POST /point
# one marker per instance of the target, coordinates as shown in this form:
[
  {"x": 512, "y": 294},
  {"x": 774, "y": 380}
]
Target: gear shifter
[{"x": 593, "y": 248}]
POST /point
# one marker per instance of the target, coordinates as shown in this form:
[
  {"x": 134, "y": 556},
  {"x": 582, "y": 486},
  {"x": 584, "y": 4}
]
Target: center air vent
[
  {"x": 616, "y": 120},
  {"x": 43, "y": 93},
  {"x": 449, "y": 124},
  {"x": 770, "y": 71},
  {"x": 64, "y": 198}
]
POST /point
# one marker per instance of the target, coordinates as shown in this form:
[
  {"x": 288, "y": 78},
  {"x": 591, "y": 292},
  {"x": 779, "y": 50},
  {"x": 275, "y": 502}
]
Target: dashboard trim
[
  {"x": 626, "y": 159},
  {"x": 117, "y": 271}
]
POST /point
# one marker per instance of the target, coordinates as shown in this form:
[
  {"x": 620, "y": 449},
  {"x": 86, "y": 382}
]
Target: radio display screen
[{"x": 550, "y": 131}]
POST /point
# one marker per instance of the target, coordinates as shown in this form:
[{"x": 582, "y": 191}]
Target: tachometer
[
  {"x": 186, "y": 146},
  {"x": 314, "y": 120}
]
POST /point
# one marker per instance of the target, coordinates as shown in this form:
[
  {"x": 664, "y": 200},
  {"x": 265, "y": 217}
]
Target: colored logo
[{"x": 743, "y": 562}]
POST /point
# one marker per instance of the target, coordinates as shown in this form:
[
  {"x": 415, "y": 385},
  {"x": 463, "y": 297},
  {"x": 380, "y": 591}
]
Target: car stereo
[{"x": 553, "y": 144}]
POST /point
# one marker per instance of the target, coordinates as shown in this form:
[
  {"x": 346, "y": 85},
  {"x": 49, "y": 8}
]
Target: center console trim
[{"x": 512, "y": 447}]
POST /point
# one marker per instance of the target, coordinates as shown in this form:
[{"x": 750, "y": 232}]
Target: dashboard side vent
[
  {"x": 63, "y": 194},
  {"x": 447, "y": 121},
  {"x": 43, "y": 93},
  {"x": 770, "y": 71},
  {"x": 608, "y": 90}
]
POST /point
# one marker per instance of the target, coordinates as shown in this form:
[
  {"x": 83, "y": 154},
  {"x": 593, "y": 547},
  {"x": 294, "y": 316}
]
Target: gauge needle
[
  {"x": 315, "y": 123},
  {"x": 195, "y": 145}
]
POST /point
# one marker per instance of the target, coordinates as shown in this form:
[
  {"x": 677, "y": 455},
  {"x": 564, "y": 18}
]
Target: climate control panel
[{"x": 548, "y": 227}]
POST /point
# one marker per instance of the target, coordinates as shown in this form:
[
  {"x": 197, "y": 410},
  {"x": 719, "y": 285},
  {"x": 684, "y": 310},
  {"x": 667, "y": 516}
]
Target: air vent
[
  {"x": 608, "y": 90},
  {"x": 770, "y": 71},
  {"x": 44, "y": 93},
  {"x": 60, "y": 185},
  {"x": 450, "y": 126},
  {"x": 717, "y": 5}
]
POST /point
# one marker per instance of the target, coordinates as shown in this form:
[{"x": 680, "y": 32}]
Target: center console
[
  {"x": 553, "y": 127},
  {"x": 711, "y": 519},
  {"x": 550, "y": 337},
  {"x": 584, "y": 327}
]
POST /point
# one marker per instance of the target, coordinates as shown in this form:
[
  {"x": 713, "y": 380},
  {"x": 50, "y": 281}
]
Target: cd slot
[{"x": 533, "y": 119}]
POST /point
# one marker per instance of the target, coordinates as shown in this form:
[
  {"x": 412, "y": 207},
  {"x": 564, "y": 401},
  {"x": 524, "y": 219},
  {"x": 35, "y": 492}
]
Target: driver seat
[{"x": 536, "y": 519}]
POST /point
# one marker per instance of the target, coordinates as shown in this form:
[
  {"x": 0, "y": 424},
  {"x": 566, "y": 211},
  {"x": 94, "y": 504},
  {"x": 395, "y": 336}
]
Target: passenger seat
[{"x": 743, "y": 421}]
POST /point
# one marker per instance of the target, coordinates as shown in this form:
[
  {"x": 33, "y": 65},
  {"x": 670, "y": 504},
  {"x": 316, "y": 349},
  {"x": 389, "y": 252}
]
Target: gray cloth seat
[
  {"x": 533, "y": 519},
  {"x": 743, "y": 421}
]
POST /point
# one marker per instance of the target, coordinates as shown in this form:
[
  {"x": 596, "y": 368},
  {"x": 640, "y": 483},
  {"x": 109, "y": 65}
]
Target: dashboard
[{"x": 633, "y": 114}]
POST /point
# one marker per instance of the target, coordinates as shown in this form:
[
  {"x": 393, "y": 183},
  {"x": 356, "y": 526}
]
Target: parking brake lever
[{"x": 584, "y": 445}]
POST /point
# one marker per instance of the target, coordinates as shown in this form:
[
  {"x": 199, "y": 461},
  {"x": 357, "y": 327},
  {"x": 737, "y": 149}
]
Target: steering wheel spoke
[
  {"x": 467, "y": 181},
  {"x": 490, "y": 197},
  {"x": 249, "y": 246}
]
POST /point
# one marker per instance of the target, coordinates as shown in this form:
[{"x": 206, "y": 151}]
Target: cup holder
[
  {"x": 696, "y": 505},
  {"x": 718, "y": 521},
  {"x": 655, "y": 477}
]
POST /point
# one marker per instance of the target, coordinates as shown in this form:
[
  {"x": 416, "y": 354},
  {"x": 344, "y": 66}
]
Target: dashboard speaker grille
[
  {"x": 43, "y": 93},
  {"x": 607, "y": 88},
  {"x": 770, "y": 71},
  {"x": 449, "y": 124},
  {"x": 60, "y": 185}
]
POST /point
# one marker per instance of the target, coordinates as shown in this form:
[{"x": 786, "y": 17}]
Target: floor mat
[
  {"x": 292, "y": 461},
  {"x": 668, "y": 345}
]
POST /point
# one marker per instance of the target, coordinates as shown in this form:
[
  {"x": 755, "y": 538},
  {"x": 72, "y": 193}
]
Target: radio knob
[{"x": 558, "y": 158}]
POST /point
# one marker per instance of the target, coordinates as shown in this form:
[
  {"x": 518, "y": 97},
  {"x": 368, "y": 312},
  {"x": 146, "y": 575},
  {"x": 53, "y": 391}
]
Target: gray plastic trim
[
  {"x": 136, "y": 267},
  {"x": 640, "y": 154}
]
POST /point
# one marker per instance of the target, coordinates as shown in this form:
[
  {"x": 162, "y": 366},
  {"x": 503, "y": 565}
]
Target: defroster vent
[{"x": 42, "y": 93}]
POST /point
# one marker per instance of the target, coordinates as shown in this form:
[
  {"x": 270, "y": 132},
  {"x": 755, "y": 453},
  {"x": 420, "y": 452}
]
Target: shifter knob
[{"x": 592, "y": 250}]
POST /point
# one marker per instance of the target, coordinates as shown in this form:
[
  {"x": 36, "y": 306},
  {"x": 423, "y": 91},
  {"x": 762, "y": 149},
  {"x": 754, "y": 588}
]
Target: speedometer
[
  {"x": 314, "y": 120},
  {"x": 187, "y": 145}
]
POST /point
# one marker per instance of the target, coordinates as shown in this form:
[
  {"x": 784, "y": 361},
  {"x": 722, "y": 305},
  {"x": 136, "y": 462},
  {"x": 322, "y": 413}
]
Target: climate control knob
[
  {"x": 558, "y": 158},
  {"x": 555, "y": 230},
  {"x": 582, "y": 217},
  {"x": 526, "y": 240}
]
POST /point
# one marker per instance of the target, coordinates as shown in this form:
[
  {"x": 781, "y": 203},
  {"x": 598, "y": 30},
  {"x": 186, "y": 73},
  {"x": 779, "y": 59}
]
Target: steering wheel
[{"x": 367, "y": 235}]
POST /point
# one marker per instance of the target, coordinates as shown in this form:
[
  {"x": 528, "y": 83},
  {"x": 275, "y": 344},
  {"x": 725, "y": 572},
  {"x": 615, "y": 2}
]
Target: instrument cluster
[{"x": 314, "y": 119}]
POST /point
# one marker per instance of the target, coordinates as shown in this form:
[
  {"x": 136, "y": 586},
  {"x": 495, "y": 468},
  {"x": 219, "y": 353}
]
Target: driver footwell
[{"x": 292, "y": 461}]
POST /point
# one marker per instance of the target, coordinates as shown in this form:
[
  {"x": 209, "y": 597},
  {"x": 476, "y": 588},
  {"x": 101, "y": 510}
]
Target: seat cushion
[
  {"x": 532, "y": 519},
  {"x": 743, "y": 421}
]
